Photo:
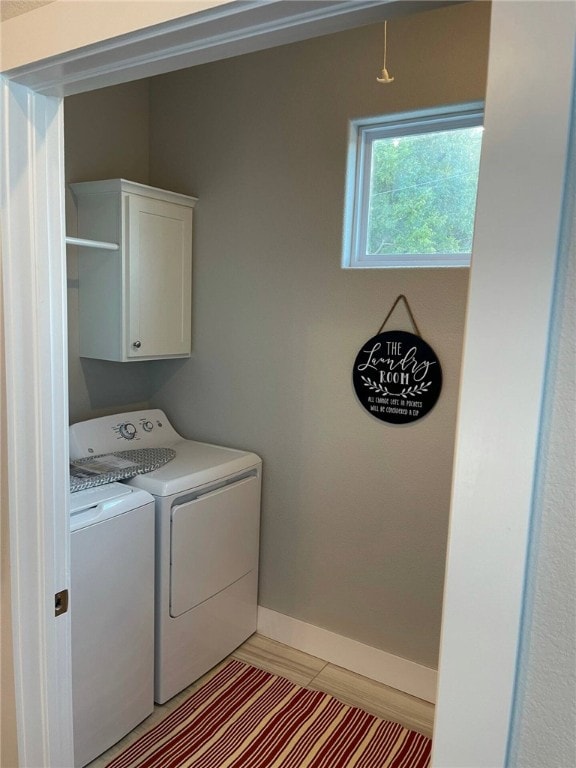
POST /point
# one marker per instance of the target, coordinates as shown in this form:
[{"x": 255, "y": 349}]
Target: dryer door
[{"x": 214, "y": 542}]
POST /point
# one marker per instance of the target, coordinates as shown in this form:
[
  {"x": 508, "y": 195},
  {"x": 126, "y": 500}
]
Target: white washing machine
[
  {"x": 111, "y": 614},
  {"x": 207, "y": 541}
]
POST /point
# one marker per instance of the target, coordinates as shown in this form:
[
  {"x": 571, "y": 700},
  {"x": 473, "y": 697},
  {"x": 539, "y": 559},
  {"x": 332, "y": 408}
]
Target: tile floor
[{"x": 312, "y": 672}]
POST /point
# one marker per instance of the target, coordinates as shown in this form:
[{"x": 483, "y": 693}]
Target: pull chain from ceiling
[{"x": 385, "y": 77}]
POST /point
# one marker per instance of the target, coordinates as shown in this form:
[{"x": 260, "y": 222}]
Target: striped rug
[{"x": 244, "y": 717}]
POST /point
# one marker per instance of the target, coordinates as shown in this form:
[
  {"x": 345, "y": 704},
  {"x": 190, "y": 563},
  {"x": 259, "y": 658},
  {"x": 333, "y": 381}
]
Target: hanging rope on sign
[
  {"x": 385, "y": 77},
  {"x": 405, "y": 300}
]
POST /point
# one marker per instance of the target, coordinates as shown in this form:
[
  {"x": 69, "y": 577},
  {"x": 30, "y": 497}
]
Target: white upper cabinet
[{"x": 134, "y": 303}]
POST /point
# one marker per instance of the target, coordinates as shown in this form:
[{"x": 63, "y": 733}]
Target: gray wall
[
  {"x": 354, "y": 511},
  {"x": 545, "y": 723},
  {"x": 106, "y": 136}
]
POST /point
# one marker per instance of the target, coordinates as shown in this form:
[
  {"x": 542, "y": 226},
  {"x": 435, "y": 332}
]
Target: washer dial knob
[{"x": 127, "y": 430}]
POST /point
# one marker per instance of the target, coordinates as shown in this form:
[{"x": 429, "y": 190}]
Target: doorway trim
[
  {"x": 511, "y": 296},
  {"x": 35, "y": 309},
  {"x": 34, "y": 278}
]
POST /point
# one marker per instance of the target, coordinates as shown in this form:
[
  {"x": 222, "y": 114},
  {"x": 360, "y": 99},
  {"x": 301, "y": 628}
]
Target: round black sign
[{"x": 397, "y": 377}]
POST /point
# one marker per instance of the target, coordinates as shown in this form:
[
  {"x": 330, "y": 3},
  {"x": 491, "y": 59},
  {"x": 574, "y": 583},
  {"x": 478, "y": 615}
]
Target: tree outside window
[{"x": 413, "y": 199}]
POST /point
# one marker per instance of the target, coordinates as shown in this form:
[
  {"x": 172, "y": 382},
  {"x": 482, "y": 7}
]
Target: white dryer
[{"x": 207, "y": 502}]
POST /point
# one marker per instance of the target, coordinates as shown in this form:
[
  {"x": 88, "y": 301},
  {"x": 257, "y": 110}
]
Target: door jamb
[{"x": 34, "y": 278}]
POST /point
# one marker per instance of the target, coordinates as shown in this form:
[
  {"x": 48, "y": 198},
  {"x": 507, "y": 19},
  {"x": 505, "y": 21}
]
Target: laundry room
[
  {"x": 354, "y": 511},
  {"x": 352, "y": 504}
]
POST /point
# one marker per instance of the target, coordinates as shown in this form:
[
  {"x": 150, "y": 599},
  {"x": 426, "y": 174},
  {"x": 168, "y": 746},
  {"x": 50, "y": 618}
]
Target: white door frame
[
  {"x": 516, "y": 240},
  {"x": 496, "y": 445},
  {"x": 34, "y": 279}
]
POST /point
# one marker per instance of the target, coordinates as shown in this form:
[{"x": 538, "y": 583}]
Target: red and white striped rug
[{"x": 244, "y": 717}]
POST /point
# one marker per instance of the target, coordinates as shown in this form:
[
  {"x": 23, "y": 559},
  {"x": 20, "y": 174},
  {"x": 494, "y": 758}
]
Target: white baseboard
[{"x": 383, "y": 667}]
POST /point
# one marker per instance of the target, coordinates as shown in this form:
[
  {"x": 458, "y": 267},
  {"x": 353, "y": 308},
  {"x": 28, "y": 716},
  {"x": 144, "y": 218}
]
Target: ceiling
[{"x": 11, "y": 8}]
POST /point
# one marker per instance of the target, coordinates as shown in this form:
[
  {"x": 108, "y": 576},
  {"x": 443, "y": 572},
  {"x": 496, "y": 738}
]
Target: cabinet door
[{"x": 159, "y": 278}]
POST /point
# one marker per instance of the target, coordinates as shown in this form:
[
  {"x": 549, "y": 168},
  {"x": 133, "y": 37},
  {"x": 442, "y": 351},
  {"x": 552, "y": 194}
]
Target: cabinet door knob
[{"x": 137, "y": 344}]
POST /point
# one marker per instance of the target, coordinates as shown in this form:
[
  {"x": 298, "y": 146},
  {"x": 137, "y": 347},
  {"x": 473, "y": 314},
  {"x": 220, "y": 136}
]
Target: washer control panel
[{"x": 121, "y": 432}]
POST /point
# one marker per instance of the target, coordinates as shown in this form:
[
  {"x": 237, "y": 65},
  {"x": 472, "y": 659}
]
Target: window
[{"x": 411, "y": 188}]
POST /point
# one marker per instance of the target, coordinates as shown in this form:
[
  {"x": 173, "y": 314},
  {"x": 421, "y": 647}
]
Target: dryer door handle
[{"x": 215, "y": 487}]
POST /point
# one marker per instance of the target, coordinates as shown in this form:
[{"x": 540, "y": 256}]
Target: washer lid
[
  {"x": 195, "y": 464},
  {"x": 95, "y": 505}
]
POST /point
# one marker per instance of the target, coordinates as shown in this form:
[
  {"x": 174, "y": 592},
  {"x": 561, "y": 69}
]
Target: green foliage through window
[{"x": 414, "y": 189}]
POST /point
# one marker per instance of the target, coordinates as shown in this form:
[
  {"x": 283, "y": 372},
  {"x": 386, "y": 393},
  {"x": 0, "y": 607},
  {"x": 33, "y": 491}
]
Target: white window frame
[{"x": 363, "y": 133}]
